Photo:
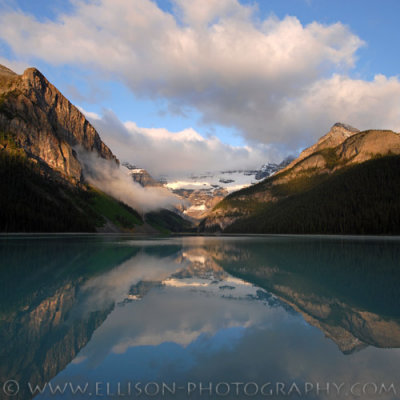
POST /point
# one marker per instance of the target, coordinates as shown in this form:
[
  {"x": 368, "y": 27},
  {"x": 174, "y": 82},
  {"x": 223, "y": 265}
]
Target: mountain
[
  {"x": 163, "y": 220},
  {"x": 271, "y": 168},
  {"x": 204, "y": 191},
  {"x": 337, "y": 135},
  {"x": 141, "y": 176},
  {"x": 347, "y": 182},
  {"x": 42, "y": 181},
  {"x": 44, "y": 124},
  {"x": 45, "y": 142}
]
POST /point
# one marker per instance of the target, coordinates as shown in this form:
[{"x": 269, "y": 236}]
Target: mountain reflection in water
[{"x": 238, "y": 309}]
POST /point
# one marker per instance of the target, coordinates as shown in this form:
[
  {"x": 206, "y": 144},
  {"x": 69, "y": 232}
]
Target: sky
[{"x": 184, "y": 86}]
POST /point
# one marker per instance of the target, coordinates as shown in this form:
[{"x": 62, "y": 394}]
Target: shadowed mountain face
[
  {"x": 342, "y": 184},
  {"x": 45, "y": 124}
]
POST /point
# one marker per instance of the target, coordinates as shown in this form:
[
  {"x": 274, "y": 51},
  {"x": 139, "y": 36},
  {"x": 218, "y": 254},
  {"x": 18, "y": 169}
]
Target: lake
[{"x": 199, "y": 317}]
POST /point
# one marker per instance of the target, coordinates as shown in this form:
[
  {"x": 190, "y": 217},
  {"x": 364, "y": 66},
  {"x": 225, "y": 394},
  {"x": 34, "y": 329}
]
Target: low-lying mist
[{"x": 116, "y": 181}]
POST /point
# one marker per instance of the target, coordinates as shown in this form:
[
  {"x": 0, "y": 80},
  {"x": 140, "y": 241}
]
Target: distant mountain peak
[
  {"x": 129, "y": 165},
  {"x": 336, "y": 136},
  {"x": 140, "y": 175},
  {"x": 269, "y": 169},
  {"x": 345, "y": 126}
]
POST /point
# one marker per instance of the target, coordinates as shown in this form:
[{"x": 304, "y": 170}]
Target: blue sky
[{"x": 265, "y": 78}]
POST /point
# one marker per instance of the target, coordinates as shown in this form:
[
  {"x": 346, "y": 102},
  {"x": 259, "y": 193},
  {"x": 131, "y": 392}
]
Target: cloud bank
[
  {"x": 274, "y": 80},
  {"x": 117, "y": 182},
  {"x": 162, "y": 152}
]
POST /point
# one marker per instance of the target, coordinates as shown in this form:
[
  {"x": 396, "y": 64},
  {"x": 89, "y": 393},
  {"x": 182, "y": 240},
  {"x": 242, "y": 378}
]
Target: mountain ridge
[
  {"x": 315, "y": 165},
  {"x": 43, "y": 135},
  {"x": 336, "y": 135},
  {"x": 201, "y": 192},
  {"x": 46, "y": 149},
  {"x": 45, "y": 124}
]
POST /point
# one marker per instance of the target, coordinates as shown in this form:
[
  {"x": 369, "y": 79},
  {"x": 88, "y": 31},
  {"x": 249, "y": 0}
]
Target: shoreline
[{"x": 190, "y": 234}]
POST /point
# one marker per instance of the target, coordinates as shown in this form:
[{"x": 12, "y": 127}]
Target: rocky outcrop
[
  {"x": 337, "y": 135},
  {"x": 357, "y": 148},
  {"x": 141, "y": 176},
  {"x": 368, "y": 144},
  {"x": 45, "y": 124}
]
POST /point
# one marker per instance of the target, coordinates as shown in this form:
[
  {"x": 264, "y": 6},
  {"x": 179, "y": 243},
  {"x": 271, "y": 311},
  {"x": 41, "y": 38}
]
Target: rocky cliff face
[
  {"x": 367, "y": 145},
  {"x": 343, "y": 146},
  {"x": 45, "y": 124},
  {"x": 337, "y": 135}
]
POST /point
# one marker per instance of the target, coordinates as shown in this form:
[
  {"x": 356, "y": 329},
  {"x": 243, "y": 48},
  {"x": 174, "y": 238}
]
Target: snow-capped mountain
[
  {"x": 205, "y": 190},
  {"x": 230, "y": 181},
  {"x": 270, "y": 168},
  {"x": 141, "y": 176}
]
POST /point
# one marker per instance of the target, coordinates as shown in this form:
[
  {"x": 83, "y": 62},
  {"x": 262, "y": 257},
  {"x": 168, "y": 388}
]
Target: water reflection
[
  {"x": 347, "y": 288},
  {"x": 272, "y": 309}
]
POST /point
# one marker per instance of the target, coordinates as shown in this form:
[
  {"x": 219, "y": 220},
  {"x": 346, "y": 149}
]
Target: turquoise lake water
[{"x": 199, "y": 317}]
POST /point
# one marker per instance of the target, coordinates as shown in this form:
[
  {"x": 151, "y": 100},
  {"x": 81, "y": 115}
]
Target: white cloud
[
  {"x": 118, "y": 183},
  {"x": 89, "y": 114},
  {"x": 275, "y": 80},
  {"x": 200, "y": 13},
  {"x": 162, "y": 152},
  {"x": 367, "y": 105},
  {"x": 17, "y": 66}
]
